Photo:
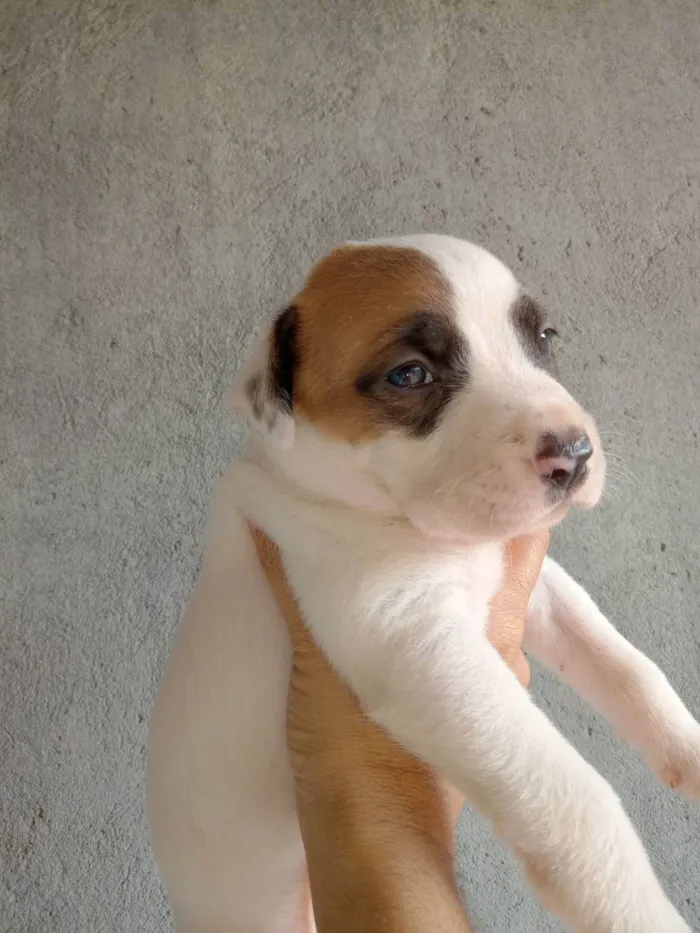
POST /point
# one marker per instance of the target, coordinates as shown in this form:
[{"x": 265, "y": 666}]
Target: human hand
[
  {"x": 324, "y": 721},
  {"x": 377, "y": 823},
  {"x": 506, "y": 627}
]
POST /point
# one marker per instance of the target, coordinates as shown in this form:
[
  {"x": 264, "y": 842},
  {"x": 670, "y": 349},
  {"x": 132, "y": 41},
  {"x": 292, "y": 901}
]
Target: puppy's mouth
[
  {"x": 588, "y": 490},
  {"x": 563, "y": 493},
  {"x": 563, "y": 485}
]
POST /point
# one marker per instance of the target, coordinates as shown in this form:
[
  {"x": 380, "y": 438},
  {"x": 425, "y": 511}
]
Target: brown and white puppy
[
  {"x": 435, "y": 377},
  {"x": 407, "y": 423}
]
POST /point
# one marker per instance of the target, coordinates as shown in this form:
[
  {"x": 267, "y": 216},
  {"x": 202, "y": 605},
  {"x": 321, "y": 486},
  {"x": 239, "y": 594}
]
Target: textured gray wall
[{"x": 168, "y": 172}]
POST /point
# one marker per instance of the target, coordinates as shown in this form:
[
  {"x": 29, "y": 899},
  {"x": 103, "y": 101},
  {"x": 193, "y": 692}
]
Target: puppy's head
[{"x": 422, "y": 359}]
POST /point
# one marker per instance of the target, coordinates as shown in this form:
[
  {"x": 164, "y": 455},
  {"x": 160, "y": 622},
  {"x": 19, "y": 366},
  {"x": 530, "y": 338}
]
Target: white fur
[{"x": 394, "y": 551}]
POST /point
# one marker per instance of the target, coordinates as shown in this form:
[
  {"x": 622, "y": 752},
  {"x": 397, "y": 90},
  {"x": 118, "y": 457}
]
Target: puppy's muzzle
[{"x": 561, "y": 459}]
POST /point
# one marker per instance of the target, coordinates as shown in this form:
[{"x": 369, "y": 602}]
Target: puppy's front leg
[
  {"x": 432, "y": 679},
  {"x": 456, "y": 705},
  {"x": 568, "y": 633}
]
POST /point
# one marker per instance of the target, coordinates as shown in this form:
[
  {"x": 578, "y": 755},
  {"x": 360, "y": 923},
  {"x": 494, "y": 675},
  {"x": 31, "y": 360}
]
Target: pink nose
[{"x": 561, "y": 459}]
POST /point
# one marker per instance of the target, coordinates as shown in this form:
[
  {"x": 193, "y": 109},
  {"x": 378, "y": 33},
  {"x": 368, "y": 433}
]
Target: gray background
[{"x": 168, "y": 173}]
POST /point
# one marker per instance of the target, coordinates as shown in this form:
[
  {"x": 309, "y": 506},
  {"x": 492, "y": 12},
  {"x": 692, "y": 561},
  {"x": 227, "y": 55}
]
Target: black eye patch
[
  {"x": 431, "y": 341},
  {"x": 283, "y": 358},
  {"x": 434, "y": 337},
  {"x": 529, "y": 321}
]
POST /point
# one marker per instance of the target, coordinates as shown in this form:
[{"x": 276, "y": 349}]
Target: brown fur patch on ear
[{"x": 351, "y": 313}]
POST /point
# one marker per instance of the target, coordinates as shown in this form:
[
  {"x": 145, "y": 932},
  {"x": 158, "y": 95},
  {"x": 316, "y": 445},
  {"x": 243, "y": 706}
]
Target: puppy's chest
[
  {"x": 397, "y": 589},
  {"x": 465, "y": 583}
]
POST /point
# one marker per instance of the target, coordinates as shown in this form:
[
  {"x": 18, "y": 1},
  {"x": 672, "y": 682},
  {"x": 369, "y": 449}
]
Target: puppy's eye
[
  {"x": 409, "y": 376},
  {"x": 544, "y": 341}
]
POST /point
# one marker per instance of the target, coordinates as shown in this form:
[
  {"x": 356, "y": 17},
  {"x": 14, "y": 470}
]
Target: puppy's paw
[{"x": 677, "y": 762}]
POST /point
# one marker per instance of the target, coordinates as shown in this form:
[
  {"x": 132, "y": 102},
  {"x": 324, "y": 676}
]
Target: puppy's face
[{"x": 422, "y": 361}]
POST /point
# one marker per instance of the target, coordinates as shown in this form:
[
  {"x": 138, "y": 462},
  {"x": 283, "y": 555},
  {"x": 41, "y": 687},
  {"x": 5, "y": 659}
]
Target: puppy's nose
[{"x": 561, "y": 458}]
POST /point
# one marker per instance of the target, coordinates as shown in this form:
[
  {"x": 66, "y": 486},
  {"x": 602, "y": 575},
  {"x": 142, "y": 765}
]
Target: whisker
[{"x": 621, "y": 471}]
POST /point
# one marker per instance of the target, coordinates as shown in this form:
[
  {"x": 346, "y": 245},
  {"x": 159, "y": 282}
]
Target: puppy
[{"x": 408, "y": 422}]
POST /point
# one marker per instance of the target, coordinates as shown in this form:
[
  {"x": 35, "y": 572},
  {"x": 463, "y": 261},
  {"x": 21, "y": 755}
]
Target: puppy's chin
[
  {"x": 468, "y": 529},
  {"x": 466, "y": 520},
  {"x": 553, "y": 517},
  {"x": 583, "y": 498},
  {"x": 587, "y": 499},
  {"x": 440, "y": 528},
  {"x": 464, "y": 527}
]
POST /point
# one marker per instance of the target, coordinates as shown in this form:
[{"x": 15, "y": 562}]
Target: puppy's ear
[{"x": 263, "y": 390}]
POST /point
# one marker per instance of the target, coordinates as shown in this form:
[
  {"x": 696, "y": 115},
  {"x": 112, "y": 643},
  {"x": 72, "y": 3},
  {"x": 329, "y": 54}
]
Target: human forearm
[
  {"x": 378, "y": 826},
  {"x": 379, "y": 859}
]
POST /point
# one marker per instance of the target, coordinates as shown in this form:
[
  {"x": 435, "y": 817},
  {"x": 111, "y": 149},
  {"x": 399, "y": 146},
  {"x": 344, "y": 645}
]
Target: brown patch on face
[{"x": 364, "y": 311}]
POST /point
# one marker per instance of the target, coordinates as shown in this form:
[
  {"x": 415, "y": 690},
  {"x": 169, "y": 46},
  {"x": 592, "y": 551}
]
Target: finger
[
  {"x": 506, "y": 624},
  {"x": 454, "y": 802},
  {"x": 524, "y": 557},
  {"x": 521, "y": 669},
  {"x": 528, "y": 551}
]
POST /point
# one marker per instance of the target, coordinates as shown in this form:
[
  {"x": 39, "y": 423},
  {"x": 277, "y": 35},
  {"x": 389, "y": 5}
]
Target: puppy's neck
[{"x": 325, "y": 470}]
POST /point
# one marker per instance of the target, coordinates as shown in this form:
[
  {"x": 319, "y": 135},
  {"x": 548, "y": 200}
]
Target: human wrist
[{"x": 372, "y": 865}]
